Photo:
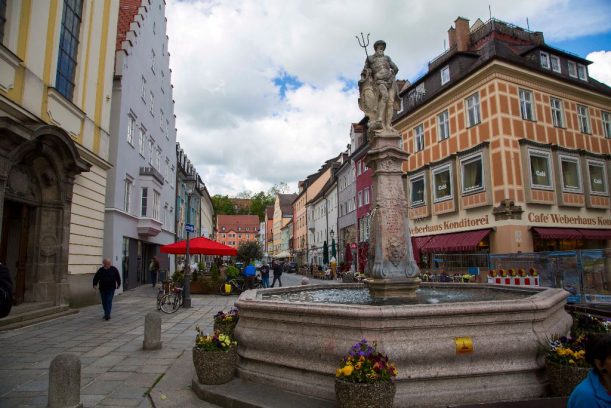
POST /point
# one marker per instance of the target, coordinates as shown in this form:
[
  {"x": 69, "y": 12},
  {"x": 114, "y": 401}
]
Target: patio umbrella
[
  {"x": 333, "y": 251},
  {"x": 199, "y": 245},
  {"x": 325, "y": 253}
]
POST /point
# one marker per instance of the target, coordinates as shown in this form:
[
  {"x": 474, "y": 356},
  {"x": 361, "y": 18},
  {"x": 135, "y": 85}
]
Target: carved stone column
[{"x": 392, "y": 271}]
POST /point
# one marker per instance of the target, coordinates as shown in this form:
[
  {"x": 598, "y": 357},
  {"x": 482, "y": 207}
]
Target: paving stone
[{"x": 121, "y": 402}]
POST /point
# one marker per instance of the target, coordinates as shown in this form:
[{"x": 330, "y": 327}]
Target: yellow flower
[
  {"x": 358, "y": 366},
  {"x": 347, "y": 370},
  {"x": 571, "y": 361},
  {"x": 361, "y": 359},
  {"x": 338, "y": 372}
]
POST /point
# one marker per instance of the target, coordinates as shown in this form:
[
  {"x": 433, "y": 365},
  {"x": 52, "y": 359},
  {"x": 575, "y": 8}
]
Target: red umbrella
[{"x": 199, "y": 245}]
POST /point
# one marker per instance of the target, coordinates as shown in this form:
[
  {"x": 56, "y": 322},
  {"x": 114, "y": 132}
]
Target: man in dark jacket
[
  {"x": 6, "y": 291},
  {"x": 277, "y": 268},
  {"x": 108, "y": 279}
]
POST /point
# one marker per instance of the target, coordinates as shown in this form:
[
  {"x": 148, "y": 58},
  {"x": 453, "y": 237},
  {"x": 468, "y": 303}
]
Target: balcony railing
[{"x": 153, "y": 172}]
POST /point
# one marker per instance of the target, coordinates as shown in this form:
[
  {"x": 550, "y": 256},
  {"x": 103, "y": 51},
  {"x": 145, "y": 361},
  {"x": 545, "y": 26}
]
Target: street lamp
[{"x": 186, "y": 300}]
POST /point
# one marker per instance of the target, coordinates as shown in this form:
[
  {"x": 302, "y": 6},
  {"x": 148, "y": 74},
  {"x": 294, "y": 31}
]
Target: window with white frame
[
  {"x": 572, "y": 69},
  {"x": 151, "y": 152},
  {"x": 606, "y": 119},
  {"x": 526, "y": 104},
  {"x": 156, "y": 202},
  {"x": 143, "y": 200},
  {"x": 358, "y": 168},
  {"x": 445, "y": 75},
  {"x": 443, "y": 125},
  {"x": 473, "y": 117},
  {"x": 360, "y": 196},
  {"x": 161, "y": 121},
  {"x": 131, "y": 123},
  {"x": 557, "y": 112},
  {"x": 555, "y": 62},
  {"x": 127, "y": 197},
  {"x": 540, "y": 169},
  {"x": 598, "y": 177},
  {"x": 143, "y": 89},
  {"x": 153, "y": 61},
  {"x": 544, "y": 60},
  {"x": 401, "y": 105},
  {"x": 582, "y": 72},
  {"x": 583, "y": 117},
  {"x": 152, "y": 102},
  {"x": 569, "y": 169},
  {"x": 442, "y": 183},
  {"x": 141, "y": 141},
  {"x": 158, "y": 159},
  {"x": 417, "y": 190},
  {"x": 165, "y": 130},
  {"x": 366, "y": 198},
  {"x": 472, "y": 169},
  {"x": 419, "y": 138}
]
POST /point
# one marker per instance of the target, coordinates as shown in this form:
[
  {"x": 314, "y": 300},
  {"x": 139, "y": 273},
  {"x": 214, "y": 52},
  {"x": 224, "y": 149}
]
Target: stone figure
[{"x": 379, "y": 94}]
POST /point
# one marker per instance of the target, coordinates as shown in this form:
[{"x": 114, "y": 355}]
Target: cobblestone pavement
[{"x": 115, "y": 371}]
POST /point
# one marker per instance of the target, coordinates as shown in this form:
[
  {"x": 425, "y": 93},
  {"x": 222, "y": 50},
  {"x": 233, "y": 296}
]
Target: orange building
[
  {"x": 231, "y": 230},
  {"x": 509, "y": 143}
]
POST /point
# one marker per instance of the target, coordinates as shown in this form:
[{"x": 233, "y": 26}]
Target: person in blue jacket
[
  {"x": 595, "y": 390},
  {"x": 250, "y": 273}
]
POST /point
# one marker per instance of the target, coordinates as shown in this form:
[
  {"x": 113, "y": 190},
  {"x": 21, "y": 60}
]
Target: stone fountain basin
[{"x": 297, "y": 346}]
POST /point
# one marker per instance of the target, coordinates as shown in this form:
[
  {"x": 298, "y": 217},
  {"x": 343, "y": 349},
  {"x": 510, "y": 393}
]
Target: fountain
[{"x": 481, "y": 348}]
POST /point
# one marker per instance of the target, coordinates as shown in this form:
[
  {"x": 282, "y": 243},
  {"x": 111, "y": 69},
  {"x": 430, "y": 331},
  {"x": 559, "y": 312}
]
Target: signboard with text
[{"x": 189, "y": 228}]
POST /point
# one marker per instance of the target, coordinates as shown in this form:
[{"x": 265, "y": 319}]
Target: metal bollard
[
  {"x": 152, "y": 332},
  {"x": 65, "y": 382}
]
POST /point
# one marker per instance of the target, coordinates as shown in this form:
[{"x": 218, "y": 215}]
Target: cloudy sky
[{"x": 265, "y": 90}]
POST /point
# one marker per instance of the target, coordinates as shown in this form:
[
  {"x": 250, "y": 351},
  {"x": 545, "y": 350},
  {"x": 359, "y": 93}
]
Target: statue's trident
[{"x": 364, "y": 44}]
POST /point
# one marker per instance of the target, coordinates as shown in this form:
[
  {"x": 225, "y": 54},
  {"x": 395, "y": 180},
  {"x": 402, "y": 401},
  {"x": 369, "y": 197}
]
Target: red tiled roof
[
  {"x": 232, "y": 222},
  {"x": 127, "y": 10}
]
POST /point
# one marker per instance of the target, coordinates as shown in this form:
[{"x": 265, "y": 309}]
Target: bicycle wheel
[
  {"x": 222, "y": 290},
  {"x": 169, "y": 303}
]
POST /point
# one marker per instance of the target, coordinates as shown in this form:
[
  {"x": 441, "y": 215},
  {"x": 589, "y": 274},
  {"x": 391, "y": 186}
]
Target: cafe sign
[{"x": 563, "y": 219}]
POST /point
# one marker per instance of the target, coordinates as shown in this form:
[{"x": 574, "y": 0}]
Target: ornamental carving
[
  {"x": 507, "y": 210},
  {"x": 396, "y": 250}
]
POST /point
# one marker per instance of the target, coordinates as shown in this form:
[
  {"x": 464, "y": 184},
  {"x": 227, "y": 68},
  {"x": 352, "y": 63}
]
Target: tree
[
  {"x": 222, "y": 205},
  {"x": 249, "y": 251},
  {"x": 280, "y": 188},
  {"x": 259, "y": 202}
]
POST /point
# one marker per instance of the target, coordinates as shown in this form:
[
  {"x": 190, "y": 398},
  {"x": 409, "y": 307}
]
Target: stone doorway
[{"x": 14, "y": 245}]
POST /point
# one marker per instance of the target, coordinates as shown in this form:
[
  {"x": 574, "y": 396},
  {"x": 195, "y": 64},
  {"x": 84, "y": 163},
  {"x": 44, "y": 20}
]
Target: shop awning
[
  {"x": 558, "y": 233},
  {"x": 417, "y": 244},
  {"x": 455, "y": 242},
  {"x": 595, "y": 233}
]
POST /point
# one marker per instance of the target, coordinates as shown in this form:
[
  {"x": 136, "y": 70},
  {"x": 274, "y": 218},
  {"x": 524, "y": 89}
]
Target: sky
[{"x": 265, "y": 90}]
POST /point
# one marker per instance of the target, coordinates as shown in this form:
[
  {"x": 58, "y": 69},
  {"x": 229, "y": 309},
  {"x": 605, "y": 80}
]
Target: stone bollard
[
  {"x": 305, "y": 281},
  {"x": 152, "y": 332},
  {"x": 65, "y": 382}
]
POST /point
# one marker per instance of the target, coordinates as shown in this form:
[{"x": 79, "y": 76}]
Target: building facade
[
  {"x": 232, "y": 230},
  {"x": 509, "y": 143},
  {"x": 56, "y": 65},
  {"x": 346, "y": 220},
  {"x": 363, "y": 191},
  {"x": 141, "y": 188},
  {"x": 269, "y": 229},
  {"x": 283, "y": 214}
]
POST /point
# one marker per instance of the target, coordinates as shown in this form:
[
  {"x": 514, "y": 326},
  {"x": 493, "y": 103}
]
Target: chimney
[
  {"x": 462, "y": 34},
  {"x": 451, "y": 38}
]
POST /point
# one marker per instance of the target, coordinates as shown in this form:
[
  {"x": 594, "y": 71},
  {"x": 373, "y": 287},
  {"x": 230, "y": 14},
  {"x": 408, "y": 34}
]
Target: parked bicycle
[
  {"x": 170, "y": 302},
  {"x": 238, "y": 285}
]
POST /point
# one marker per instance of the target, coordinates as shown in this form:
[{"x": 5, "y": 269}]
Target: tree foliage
[
  {"x": 249, "y": 251},
  {"x": 259, "y": 201}
]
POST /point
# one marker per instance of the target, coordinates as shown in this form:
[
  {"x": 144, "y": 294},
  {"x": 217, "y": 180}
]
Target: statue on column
[{"x": 379, "y": 94}]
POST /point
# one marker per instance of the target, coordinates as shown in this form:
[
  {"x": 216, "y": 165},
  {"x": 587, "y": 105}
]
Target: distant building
[
  {"x": 232, "y": 230},
  {"x": 346, "y": 197},
  {"x": 269, "y": 228},
  {"x": 283, "y": 214},
  {"x": 509, "y": 141},
  {"x": 363, "y": 191}
]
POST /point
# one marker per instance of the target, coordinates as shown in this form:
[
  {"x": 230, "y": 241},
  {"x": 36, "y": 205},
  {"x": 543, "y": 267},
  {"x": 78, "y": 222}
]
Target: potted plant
[
  {"x": 492, "y": 273},
  {"x": 226, "y": 322},
  {"x": 215, "y": 357},
  {"x": 533, "y": 272},
  {"x": 365, "y": 378},
  {"x": 503, "y": 273}
]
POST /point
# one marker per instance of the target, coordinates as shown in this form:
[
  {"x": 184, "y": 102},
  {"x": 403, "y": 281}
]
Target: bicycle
[
  {"x": 238, "y": 285},
  {"x": 172, "y": 301}
]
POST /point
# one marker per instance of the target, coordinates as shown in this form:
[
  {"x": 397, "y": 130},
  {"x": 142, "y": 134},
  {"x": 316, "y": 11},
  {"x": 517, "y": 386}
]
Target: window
[
  {"x": 151, "y": 153},
  {"x": 555, "y": 63},
  {"x": 526, "y": 104},
  {"x": 571, "y": 180},
  {"x": 152, "y": 102},
  {"x": 127, "y": 198},
  {"x": 557, "y": 112},
  {"x": 582, "y": 72},
  {"x": 400, "y": 106},
  {"x": 367, "y": 195},
  {"x": 68, "y": 47},
  {"x": 598, "y": 179},
  {"x": 153, "y": 61},
  {"x": 167, "y": 125},
  {"x": 443, "y": 125},
  {"x": 156, "y": 201},
  {"x": 130, "y": 129},
  {"x": 143, "y": 89},
  {"x": 472, "y": 174},
  {"x": 473, "y": 117},
  {"x": 143, "y": 201},
  {"x": 158, "y": 158},
  {"x": 445, "y": 75},
  {"x": 606, "y": 117},
  {"x": 2, "y": 19},
  {"x": 583, "y": 117},
  {"x": 358, "y": 168},
  {"x": 417, "y": 190},
  {"x": 442, "y": 183},
  {"x": 419, "y": 138},
  {"x": 540, "y": 171},
  {"x": 141, "y": 141},
  {"x": 544, "y": 60},
  {"x": 572, "y": 69}
]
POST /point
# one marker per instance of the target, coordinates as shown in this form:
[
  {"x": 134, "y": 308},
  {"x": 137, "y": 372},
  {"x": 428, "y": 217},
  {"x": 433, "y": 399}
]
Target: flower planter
[
  {"x": 215, "y": 367},
  {"x": 563, "y": 378},
  {"x": 364, "y": 395},
  {"x": 226, "y": 326}
]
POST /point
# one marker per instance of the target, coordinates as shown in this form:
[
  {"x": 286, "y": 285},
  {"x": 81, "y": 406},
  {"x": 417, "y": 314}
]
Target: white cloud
[
  {"x": 600, "y": 68},
  {"x": 231, "y": 120}
]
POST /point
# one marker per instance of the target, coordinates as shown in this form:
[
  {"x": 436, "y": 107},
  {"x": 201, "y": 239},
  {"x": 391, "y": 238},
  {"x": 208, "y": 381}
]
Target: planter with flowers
[
  {"x": 215, "y": 357},
  {"x": 226, "y": 322},
  {"x": 533, "y": 272},
  {"x": 364, "y": 378}
]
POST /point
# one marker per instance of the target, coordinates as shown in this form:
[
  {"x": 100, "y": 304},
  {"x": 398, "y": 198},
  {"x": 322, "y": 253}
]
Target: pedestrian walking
[
  {"x": 154, "y": 270},
  {"x": 108, "y": 279},
  {"x": 265, "y": 275},
  {"x": 250, "y": 274},
  {"x": 6, "y": 291},
  {"x": 277, "y": 268}
]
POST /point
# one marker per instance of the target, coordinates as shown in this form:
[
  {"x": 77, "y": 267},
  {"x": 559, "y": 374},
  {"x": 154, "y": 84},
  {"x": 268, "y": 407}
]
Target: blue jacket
[
  {"x": 250, "y": 270},
  {"x": 590, "y": 393}
]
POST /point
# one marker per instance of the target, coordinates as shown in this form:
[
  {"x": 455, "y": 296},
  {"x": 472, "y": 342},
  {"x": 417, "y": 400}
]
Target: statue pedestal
[{"x": 392, "y": 270}]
